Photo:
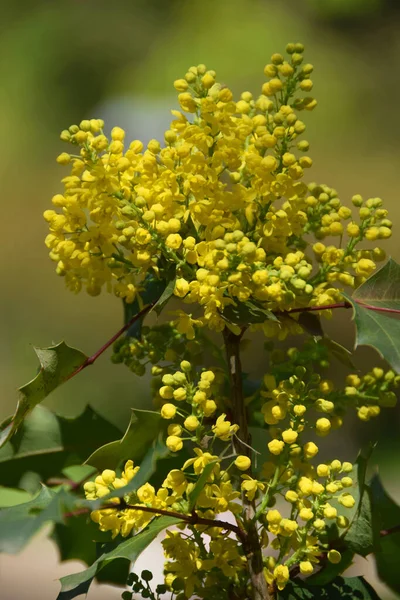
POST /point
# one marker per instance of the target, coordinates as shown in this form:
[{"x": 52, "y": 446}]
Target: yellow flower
[
  {"x": 243, "y": 462},
  {"x": 174, "y": 443}
]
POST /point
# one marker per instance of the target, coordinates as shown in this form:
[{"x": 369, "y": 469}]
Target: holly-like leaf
[
  {"x": 381, "y": 330},
  {"x": 341, "y": 588},
  {"x": 247, "y": 313},
  {"x": 57, "y": 364},
  {"x": 129, "y": 550},
  {"x": 339, "y": 352},
  {"x": 165, "y": 296},
  {"x": 143, "y": 429},
  {"x": 330, "y": 571},
  {"x": 387, "y": 516},
  {"x": 359, "y": 537},
  {"x": 382, "y": 289},
  {"x": 47, "y": 443},
  {"x": 201, "y": 482},
  {"x": 19, "y": 523}
]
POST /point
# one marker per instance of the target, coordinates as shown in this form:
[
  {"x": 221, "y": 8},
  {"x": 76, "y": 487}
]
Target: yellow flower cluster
[{"x": 221, "y": 204}]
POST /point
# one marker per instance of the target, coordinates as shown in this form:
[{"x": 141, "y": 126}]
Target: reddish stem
[
  {"x": 192, "y": 519},
  {"x": 91, "y": 359},
  {"x": 378, "y": 308},
  {"x": 390, "y": 531}
]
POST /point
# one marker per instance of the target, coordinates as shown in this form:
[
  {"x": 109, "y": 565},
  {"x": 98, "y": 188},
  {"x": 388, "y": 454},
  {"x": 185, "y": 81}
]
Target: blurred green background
[{"x": 65, "y": 61}]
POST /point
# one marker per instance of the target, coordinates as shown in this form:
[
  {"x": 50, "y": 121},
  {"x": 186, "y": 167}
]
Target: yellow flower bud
[
  {"x": 276, "y": 446},
  {"x": 306, "y": 567},
  {"x": 323, "y": 426},
  {"x": 181, "y": 287},
  {"x": 306, "y": 514},
  {"x": 191, "y": 423},
  {"x": 334, "y": 557},
  {"x": 166, "y": 392},
  {"x": 181, "y": 85},
  {"x": 310, "y": 449},
  {"x": 243, "y": 462},
  {"x": 168, "y": 411},
  {"x": 347, "y": 500},
  {"x": 174, "y": 443},
  {"x": 289, "y": 436}
]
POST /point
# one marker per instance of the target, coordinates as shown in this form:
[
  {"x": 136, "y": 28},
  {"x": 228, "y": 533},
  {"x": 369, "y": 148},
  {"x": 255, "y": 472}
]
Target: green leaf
[
  {"x": 246, "y": 313},
  {"x": 382, "y": 288},
  {"x": 378, "y": 329},
  {"x": 359, "y": 537},
  {"x": 47, "y": 443},
  {"x": 153, "y": 289},
  {"x": 341, "y": 588},
  {"x": 387, "y": 515},
  {"x": 19, "y": 523},
  {"x": 201, "y": 482},
  {"x": 12, "y": 497},
  {"x": 311, "y": 323},
  {"x": 330, "y": 571},
  {"x": 165, "y": 296},
  {"x": 130, "y": 549},
  {"x": 339, "y": 352},
  {"x": 57, "y": 364},
  {"x": 143, "y": 429}
]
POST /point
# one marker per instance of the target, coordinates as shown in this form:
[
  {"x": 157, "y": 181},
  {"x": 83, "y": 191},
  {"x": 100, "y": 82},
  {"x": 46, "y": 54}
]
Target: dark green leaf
[
  {"x": 143, "y": 429},
  {"x": 165, "y": 297},
  {"x": 359, "y": 536},
  {"x": 341, "y": 588},
  {"x": 382, "y": 288},
  {"x": 153, "y": 289},
  {"x": 387, "y": 515},
  {"x": 379, "y": 329},
  {"x": 339, "y": 352},
  {"x": 311, "y": 323},
  {"x": 57, "y": 364},
  {"x": 246, "y": 313},
  {"x": 19, "y": 523},
  {"x": 129, "y": 550},
  {"x": 47, "y": 443},
  {"x": 201, "y": 482},
  {"x": 330, "y": 571}
]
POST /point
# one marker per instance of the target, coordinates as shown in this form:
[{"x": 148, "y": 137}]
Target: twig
[
  {"x": 390, "y": 531},
  {"x": 192, "y": 519},
  {"x": 91, "y": 359}
]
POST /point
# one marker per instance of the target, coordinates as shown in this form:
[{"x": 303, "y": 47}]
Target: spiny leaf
[
  {"x": 379, "y": 331},
  {"x": 330, "y": 571},
  {"x": 246, "y": 313},
  {"x": 359, "y": 535},
  {"x": 382, "y": 289},
  {"x": 165, "y": 296},
  {"x": 339, "y": 352},
  {"x": 374, "y": 328},
  {"x": 387, "y": 515},
  {"x": 143, "y": 429},
  {"x": 130, "y": 549},
  {"x": 57, "y": 364},
  {"x": 46, "y": 443}
]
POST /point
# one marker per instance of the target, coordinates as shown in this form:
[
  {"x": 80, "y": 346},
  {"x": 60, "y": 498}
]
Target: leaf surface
[
  {"x": 341, "y": 588},
  {"x": 57, "y": 364},
  {"x": 142, "y": 431},
  {"x": 47, "y": 443},
  {"x": 129, "y": 550}
]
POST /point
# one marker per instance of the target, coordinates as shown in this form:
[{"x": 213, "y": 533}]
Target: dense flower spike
[
  {"x": 222, "y": 204},
  {"x": 221, "y": 212}
]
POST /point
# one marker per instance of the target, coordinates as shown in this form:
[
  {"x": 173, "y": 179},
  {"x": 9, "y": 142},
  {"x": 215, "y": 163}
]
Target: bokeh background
[{"x": 68, "y": 60}]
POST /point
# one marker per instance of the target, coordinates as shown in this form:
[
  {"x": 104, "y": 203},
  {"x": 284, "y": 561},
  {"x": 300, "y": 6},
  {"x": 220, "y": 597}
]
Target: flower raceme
[
  {"x": 222, "y": 203},
  {"x": 221, "y": 209}
]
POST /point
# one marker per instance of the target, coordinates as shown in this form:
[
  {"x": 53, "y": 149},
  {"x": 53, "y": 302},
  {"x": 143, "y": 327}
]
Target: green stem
[{"x": 268, "y": 494}]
